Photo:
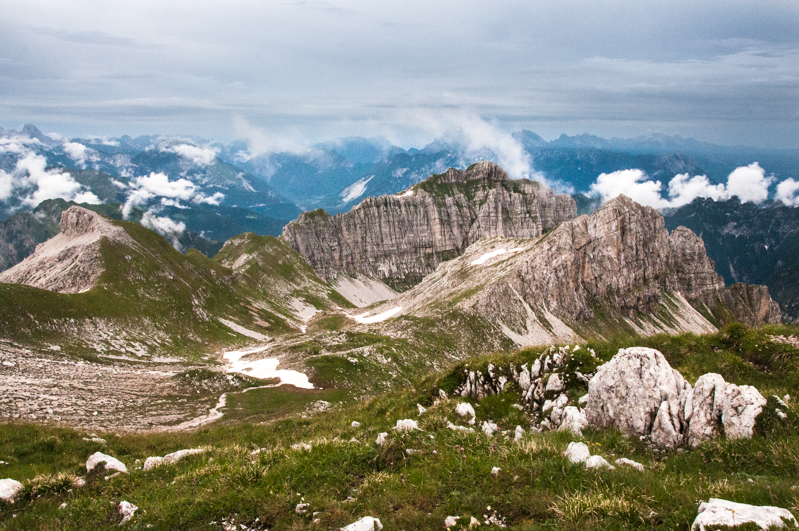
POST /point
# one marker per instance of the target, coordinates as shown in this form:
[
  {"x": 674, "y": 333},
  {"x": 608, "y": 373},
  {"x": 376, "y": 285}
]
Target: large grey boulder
[
  {"x": 638, "y": 393},
  {"x": 633, "y": 390}
]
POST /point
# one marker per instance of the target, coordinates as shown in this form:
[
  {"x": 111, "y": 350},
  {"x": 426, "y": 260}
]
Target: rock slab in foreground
[
  {"x": 640, "y": 394},
  {"x": 722, "y": 512}
]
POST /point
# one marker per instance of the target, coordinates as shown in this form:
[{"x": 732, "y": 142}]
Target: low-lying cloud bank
[
  {"x": 33, "y": 183},
  {"x": 158, "y": 186},
  {"x": 748, "y": 183}
]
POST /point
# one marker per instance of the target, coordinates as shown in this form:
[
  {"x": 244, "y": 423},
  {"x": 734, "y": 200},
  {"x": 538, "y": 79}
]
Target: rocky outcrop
[
  {"x": 401, "y": 238},
  {"x": 618, "y": 269},
  {"x": 70, "y": 262},
  {"x": 638, "y": 393},
  {"x": 716, "y": 512}
]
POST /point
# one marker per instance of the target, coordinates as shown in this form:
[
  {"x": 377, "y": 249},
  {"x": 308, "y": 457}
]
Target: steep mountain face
[
  {"x": 616, "y": 270},
  {"x": 401, "y": 238},
  {"x": 70, "y": 262},
  {"x": 749, "y": 243}
]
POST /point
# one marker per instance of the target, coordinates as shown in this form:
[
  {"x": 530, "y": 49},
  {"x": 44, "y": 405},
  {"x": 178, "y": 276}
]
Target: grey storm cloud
[{"x": 724, "y": 71}]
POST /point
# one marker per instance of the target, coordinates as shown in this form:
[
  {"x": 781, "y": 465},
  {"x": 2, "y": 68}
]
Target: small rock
[
  {"x": 473, "y": 522},
  {"x": 126, "y": 511},
  {"x": 170, "y": 459},
  {"x": 716, "y": 512},
  {"x": 111, "y": 463},
  {"x": 573, "y": 420},
  {"x": 554, "y": 384},
  {"x": 451, "y": 521},
  {"x": 518, "y": 434},
  {"x": 489, "y": 428},
  {"x": 629, "y": 462},
  {"x": 367, "y": 523},
  {"x": 355, "y": 424},
  {"x": 597, "y": 461},
  {"x": 354, "y": 440},
  {"x": 406, "y": 425},
  {"x": 453, "y": 427},
  {"x": 10, "y": 489},
  {"x": 780, "y": 413},
  {"x": 442, "y": 394},
  {"x": 381, "y": 438},
  {"x": 97, "y": 440},
  {"x": 411, "y": 451},
  {"x": 421, "y": 408},
  {"x": 301, "y": 446},
  {"x": 302, "y": 508},
  {"x": 577, "y": 452},
  {"x": 495, "y": 471},
  {"x": 465, "y": 409}
]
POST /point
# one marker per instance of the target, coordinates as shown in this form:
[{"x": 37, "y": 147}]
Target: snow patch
[
  {"x": 356, "y": 189},
  {"x": 243, "y": 331},
  {"x": 488, "y": 256},
  {"x": 388, "y": 314},
  {"x": 265, "y": 368}
]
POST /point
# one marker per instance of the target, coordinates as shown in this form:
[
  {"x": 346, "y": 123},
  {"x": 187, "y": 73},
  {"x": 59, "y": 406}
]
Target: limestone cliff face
[
  {"x": 616, "y": 269},
  {"x": 70, "y": 262},
  {"x": 401, "y": 238}
]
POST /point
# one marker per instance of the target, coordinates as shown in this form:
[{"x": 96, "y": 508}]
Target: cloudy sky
[{"x": 298, "y": 71}]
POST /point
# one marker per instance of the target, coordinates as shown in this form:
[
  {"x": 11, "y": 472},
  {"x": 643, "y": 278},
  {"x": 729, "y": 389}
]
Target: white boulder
[
  {"x": 573, "y": 420},
  {"x": 629, "y": 462},
  {"x": 554, "y": 384},
  {"x": 111, "y": 463},
  {"x": 126, "y": 511},
  {"x": 465, "y": 409},
  {"x": 489, "y": 428},
  {"x": 627, "y": 392},
  {"x": 10, "y": 489},
  {"x": 367, "y": 523},
  {"x": 722, "y": 512},
  {"x": 597, "y": 461},
  {"x": 406, "y": 425},
  {"x": 170, "y": 459},
  {"x": 577, "y": 452}
]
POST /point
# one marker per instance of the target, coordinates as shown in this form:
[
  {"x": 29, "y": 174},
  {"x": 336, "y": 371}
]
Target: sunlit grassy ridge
[{"x": 537, "y": 488}]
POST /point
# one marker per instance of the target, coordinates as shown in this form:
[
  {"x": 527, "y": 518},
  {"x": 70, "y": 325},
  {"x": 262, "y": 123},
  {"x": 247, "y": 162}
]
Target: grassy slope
[
  {"x": 537, "y": 487},
  {"x": 154, "y": 284}
]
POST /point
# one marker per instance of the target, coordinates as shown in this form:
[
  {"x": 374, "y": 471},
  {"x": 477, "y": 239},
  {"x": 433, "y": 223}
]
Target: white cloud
[
  {"x": 6, "y": 185},
  {"x": 79, "y": 153},
  {"x": 748, "y": 183},
  {"x": 119, "y": 184},
  {"x": 16, "y": 144},
  {"x": 260, "y": 142},
  {"x": 199, "y": 156},
  {"x": 164, "y": 226},
  {"x": 159, "y": 184},
  {"x": 631, "y": 183},
  {"x": 146, "y": 188},
  {"x": 215, "y": 199},
  {"x": 48, "y": 184},
  {"x": 172, "y": 202},
  {"x": 683, "y": 189},
  {"x": 788, "y": 192}
]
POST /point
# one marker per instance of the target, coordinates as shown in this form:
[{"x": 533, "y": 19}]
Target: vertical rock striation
[{"x": 401, "y": 238}]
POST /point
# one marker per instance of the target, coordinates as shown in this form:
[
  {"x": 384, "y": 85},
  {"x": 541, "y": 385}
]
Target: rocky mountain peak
[
  {"x": 70, "y": 262},
  {"x": 398, "y": 239},
  {"x": 481, "y": 170}
]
